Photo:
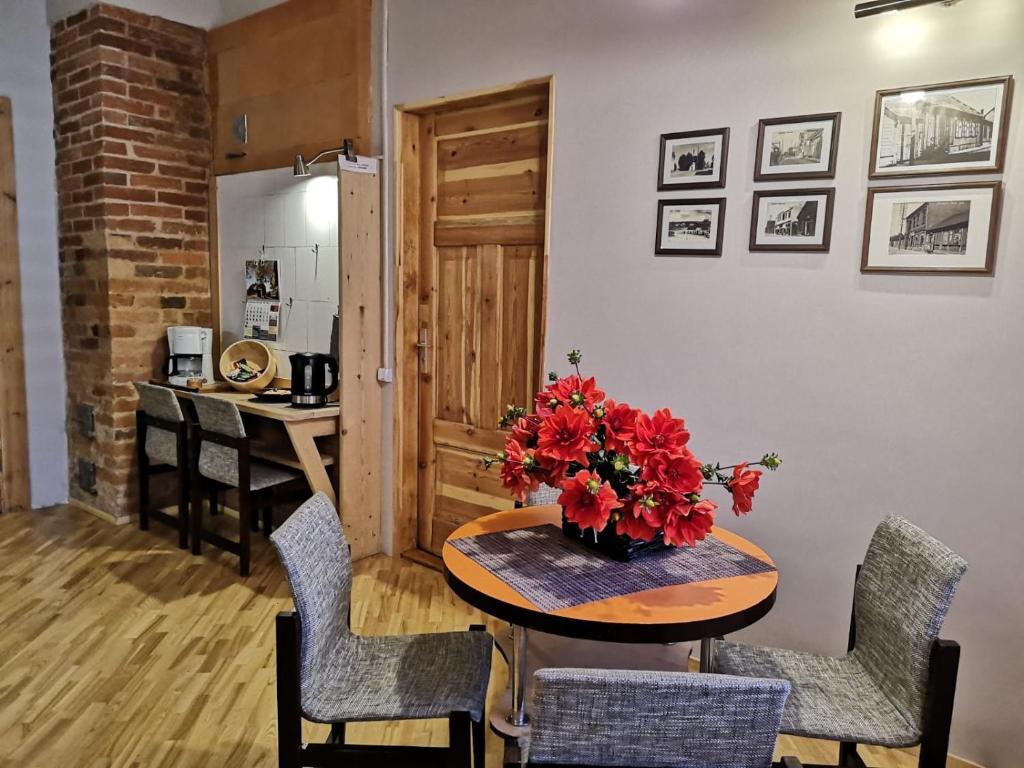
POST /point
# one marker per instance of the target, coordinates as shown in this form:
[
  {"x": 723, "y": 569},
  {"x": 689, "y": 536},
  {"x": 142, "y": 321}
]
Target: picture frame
[
  {"x": 690, "y": 227},
  {"x": 798, "y": 147},
  {"x": 693, "y": 159},
  {"x": 792, "y": 220},
  {"x": 934, "y": 228},
  {"x": 943, "y": 129}
]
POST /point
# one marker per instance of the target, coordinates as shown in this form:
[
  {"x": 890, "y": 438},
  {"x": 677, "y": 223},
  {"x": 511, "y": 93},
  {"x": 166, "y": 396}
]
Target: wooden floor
[{"x": 118, "y": 649}]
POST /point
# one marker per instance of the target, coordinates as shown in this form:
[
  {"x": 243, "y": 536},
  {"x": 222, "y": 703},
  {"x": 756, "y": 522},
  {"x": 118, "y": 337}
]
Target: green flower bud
[
  {"x": 575, "y": 357},
  {"x": 621, "y": 462},
  {"x": 552, "y": 376},
  {"x": 599, "y": 412}
]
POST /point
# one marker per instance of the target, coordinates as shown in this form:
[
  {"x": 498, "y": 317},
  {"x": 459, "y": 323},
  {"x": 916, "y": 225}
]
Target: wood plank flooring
[{"x": 118, "y": 649}]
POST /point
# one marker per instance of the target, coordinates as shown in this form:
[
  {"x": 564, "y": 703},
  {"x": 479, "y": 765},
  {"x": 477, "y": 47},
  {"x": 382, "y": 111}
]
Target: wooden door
[
  {"x": 14, "y": 480},
  {"x": 482, "y": 274}
]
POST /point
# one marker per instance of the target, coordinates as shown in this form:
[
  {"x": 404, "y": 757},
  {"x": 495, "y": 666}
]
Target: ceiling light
[{"x": 876, "y": 7}]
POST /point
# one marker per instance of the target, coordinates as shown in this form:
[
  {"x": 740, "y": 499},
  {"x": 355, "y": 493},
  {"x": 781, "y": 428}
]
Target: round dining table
[{"x": 517, "y": 566}]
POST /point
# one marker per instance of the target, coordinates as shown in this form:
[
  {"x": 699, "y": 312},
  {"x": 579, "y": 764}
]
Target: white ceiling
[{"x": 197, "y": 13}]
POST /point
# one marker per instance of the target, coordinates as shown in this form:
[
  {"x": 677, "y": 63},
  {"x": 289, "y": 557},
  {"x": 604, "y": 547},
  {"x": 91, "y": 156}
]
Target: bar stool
[
  {"x": 161, "y": 433},
  {"x": 221, "y": 461}
]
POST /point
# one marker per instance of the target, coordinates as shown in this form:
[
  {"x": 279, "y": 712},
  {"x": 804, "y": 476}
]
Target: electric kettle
[{"x": 314, "y": 377}]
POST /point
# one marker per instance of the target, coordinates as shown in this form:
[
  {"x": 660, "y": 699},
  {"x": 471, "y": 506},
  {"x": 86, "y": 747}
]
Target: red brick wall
[{"x": 133, "y": 157}]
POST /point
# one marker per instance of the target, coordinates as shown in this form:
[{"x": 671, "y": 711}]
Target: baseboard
[
  {"x": 101, "y": 514},
  {"x": 952, "y": 761},
  {"x": 424, "y": 558}
]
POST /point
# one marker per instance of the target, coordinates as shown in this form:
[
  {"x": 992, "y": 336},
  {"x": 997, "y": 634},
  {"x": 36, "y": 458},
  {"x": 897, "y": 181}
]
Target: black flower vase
[{"x": 612, "y": 544}]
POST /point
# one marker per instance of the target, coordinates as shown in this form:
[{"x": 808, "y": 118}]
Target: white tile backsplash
[
  {"x": 295, "y": 321},
  {"x": 273, "y": 233},
  {"x": 305, "y": 273},
  {"x": 295, "y": 219},
  {"x": 288, "y": 217},
  {"x": 327, "y": 274},
  {"x": 321, "y": 317}
]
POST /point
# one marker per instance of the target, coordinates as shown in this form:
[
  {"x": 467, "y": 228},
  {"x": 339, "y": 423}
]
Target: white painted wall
[
  {"x": 25, "y": 78},
  {"x": 295, "y": 222},
  {"x": 882, "y": 393}
]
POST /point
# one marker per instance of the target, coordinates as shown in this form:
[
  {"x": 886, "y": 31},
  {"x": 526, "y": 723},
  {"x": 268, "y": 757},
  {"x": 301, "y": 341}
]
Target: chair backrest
[
  {"x": 545, "y": 494},
  {"x": 315, "y": 554},
  {"x": 627, "y": 718},
  {"x": 219, "y": 462},
  {"x": 903, "y": 593},
  {"x": 160, "y": 403}
]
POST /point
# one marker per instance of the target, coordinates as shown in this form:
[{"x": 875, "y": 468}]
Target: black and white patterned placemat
[{"x": 553, "y": 571}]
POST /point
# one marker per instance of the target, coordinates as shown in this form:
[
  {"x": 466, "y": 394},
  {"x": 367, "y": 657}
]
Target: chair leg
[
  {"x": 289, "y": 717},
  {"x": 848, "y": 756},
  {"x": 938, "y": 708},
  {"x": 196, "y": 518},
  {"x": 245, "y": 511},
  {"x": 212, "y": 498},
  {"x": 460, "y": 753},
  {"x": 143, "y": 499},
  {"x": 254, "y": 519},
  {"x": 183, "y": 505},
  {"x": 479, "y": 742},
  {"x": 268, "y": 520},
  {"x": 337, "y": 734}
]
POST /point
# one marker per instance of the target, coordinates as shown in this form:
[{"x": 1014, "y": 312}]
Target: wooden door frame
[
  {"x": 408, "y": 246},
  {"x": 14, "y": 479}
]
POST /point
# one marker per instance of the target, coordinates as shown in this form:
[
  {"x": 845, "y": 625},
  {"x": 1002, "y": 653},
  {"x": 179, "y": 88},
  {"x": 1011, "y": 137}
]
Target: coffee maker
[
  {"x": 190, "y": 354},
  {"x": 314, "y": 377}
]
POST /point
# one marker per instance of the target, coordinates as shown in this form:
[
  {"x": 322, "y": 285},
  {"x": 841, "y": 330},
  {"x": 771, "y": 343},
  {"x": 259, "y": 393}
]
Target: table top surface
[
  {"x": 663, "y": 614},
  {"x": 277, "y": 411}
]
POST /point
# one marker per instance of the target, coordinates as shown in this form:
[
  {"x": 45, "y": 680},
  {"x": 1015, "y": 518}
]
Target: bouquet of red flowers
[{"x": 617, "y": 464}]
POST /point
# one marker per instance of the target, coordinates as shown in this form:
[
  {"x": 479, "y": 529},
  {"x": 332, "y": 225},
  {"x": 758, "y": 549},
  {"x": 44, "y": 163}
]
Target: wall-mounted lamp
[
  {"x": 301, "y": 168},
  {"x": 875, "y": 7}
]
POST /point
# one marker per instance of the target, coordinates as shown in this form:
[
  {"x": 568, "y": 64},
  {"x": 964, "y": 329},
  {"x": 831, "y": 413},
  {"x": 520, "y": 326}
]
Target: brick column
[{"x": 133, "y": 157}]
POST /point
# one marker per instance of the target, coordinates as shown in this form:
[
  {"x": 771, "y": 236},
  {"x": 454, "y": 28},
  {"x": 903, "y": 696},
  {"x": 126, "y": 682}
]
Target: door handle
[{"x": 422, "y": 346}]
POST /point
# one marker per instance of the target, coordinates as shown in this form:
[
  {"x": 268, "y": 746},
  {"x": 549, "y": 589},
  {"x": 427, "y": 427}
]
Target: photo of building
[
  {"x": 937, "y": 128},
  {"x": 932, "y": 227},
  {"x": 792, "y": 219},
  {"x": 797, "y": 147}
]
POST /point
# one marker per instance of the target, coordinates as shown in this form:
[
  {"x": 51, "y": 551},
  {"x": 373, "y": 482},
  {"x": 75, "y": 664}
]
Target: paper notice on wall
[
  {"x": 361, "y": 164},
  {"x": 262, "y": 320}
]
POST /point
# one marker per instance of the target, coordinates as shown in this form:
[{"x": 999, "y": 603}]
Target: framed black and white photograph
[
  {"x": 690, "y": 227},
  {"x": 941, "y": 129},
  {"x": 693, "y": 159},
  {"x": 792, "y": 220},
  {"x": 802, "y": 147},
  {"x": 935, "y": 228}
]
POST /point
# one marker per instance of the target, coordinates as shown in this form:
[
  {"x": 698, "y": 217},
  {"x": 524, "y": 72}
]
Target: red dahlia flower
[
  {"x": 657, "y": 434},
  {"x": 516, "y": 470},
  {"x": 566, "y": 435},
  {"x": 576, "y": 392},
  {"x": 679, "y": 472},
  {"x": 632, "y": 524},
  {"x": 690, "y": 523},
  {"x": 619, "y": 425},
  {"x": 524, "y": 431},
  {"x": 588, "y": 501},
  {"x": 743, "y": 484}
]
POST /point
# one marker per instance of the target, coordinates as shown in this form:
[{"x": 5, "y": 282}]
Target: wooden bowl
[{"x": 257, "y": 354}]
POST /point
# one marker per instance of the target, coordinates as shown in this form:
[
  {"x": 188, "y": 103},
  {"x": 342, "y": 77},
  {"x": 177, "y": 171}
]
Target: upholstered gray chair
[
  {"x": 221, "y": 459},
  {"x": 327, "y": 674},
  {"x": 586, "y": 717},
  {"x": 161, "y": 434},
  {"x": 895, "y": 686},
  {"x": 545, "y": 494}
]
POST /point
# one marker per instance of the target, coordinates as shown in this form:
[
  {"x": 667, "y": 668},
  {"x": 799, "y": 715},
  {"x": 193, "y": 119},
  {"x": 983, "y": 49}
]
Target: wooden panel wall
[
  {"x": 301, "y": 71},
  {"x": 359, "y": 335},
  {"x": 14, "y": 478}
]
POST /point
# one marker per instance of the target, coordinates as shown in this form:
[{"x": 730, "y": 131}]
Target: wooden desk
[{"x": 302, "y": 426}]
